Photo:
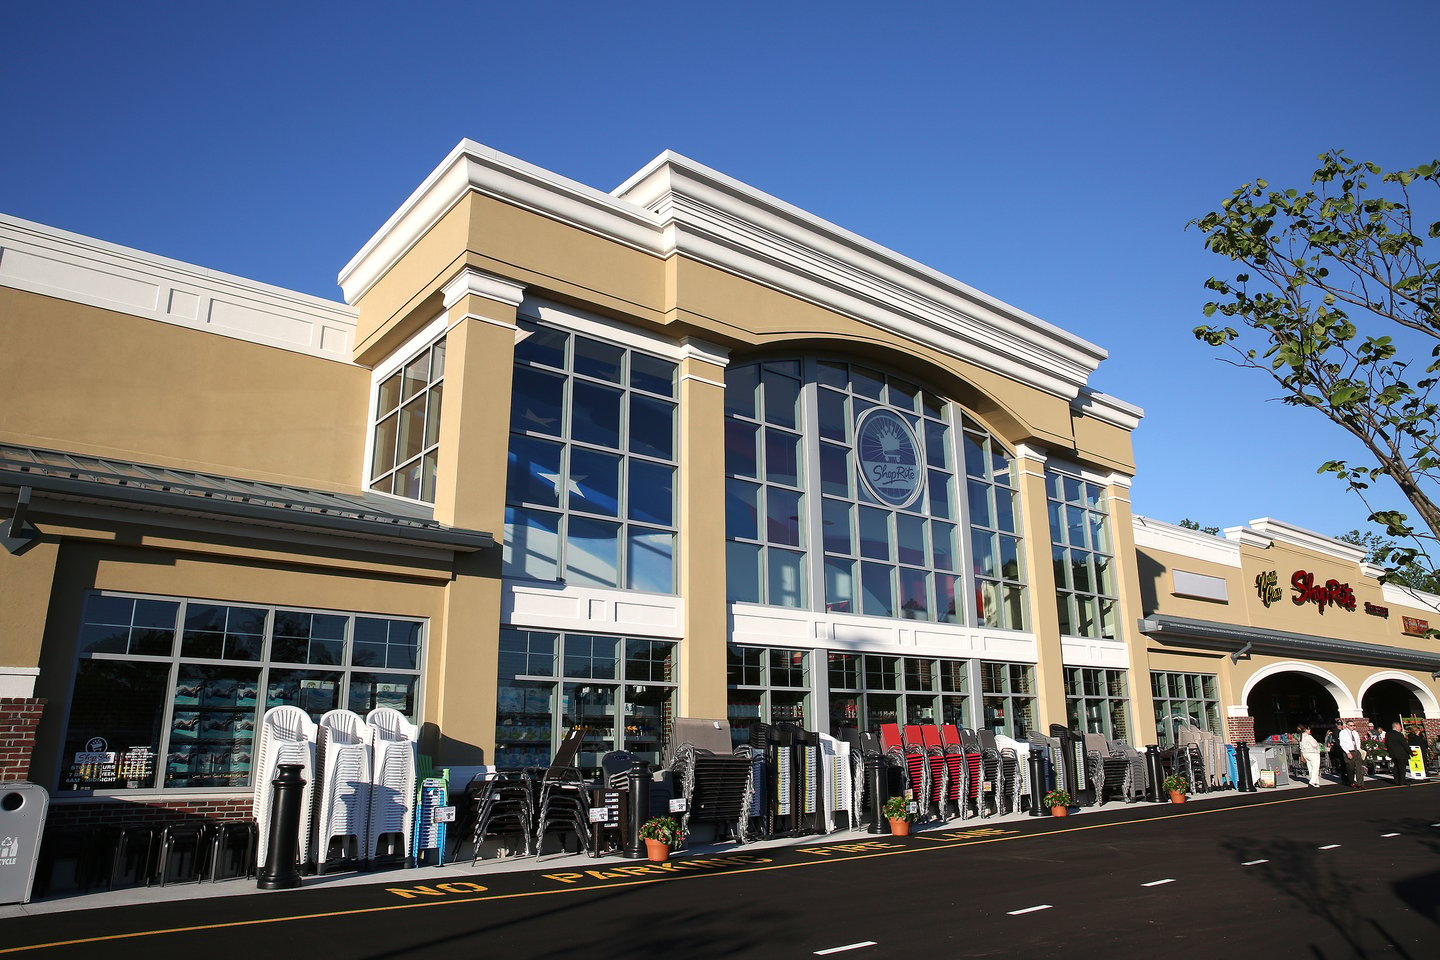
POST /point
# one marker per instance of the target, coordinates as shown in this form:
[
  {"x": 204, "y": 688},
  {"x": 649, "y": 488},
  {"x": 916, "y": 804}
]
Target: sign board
[
  {"x": 1417, "y": 764},
  {"x": 444, "y": 814},
  {"x": 677, "y": 805},
  {"x": 1267, "y": 779},
  {"x": 888, "y": 455},
  {"x": 1415, "y": 626}
]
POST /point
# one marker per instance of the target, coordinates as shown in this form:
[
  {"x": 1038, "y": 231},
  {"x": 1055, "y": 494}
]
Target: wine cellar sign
[{"x": 1331, "y": 593}]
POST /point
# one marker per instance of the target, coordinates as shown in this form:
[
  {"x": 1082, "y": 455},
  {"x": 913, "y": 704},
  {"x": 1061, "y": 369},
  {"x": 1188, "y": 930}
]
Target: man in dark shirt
[{"x": 1399, "y": 749}]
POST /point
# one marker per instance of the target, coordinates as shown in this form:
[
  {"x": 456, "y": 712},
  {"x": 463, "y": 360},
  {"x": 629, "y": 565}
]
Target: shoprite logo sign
[{"x": 889, "y": 457}]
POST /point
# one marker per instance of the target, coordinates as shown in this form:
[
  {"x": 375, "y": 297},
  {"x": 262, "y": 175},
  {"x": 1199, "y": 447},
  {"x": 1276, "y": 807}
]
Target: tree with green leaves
[
  {"x": 1381, "y": 550},
  {"x": 1189, "y": 524},
  {"x": 1339, "y": 306}
]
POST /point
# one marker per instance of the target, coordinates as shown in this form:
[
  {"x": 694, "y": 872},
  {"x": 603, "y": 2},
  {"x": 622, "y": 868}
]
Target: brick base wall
[
  {"x": 155, "y": 812},
  {"x": 19, "y": 716},
  {"x": 1240, "y": 729}
]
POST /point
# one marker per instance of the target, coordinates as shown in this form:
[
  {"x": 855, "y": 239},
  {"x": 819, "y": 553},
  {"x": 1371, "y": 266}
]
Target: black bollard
[
  {"x": 877, "y": 774},
  {"x": 282, "y": 865},
  {"x": 1157, "y": 773},
  {"x": 638, "y": 783},
  {"x": 1242, "y": 768},
  {"x": 1038, "y": 787}
]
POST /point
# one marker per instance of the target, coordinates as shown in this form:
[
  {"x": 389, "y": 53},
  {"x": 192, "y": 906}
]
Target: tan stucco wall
[{"x": 87, "y": 380}]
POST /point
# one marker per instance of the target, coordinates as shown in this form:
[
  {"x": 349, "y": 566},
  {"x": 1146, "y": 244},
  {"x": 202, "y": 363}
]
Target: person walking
[
  {"x": 1354, "y": 754},
  {"x": 1399, "y": 749},
  {"x": 1310, "y": 750},
  {"x": 1339, "y": 762}
]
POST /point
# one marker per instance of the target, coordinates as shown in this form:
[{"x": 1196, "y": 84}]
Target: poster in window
[
  {"x": 187, "y": 692},
  {"x": 221, "y": 692},
  {"x": 186, "y": 725}
]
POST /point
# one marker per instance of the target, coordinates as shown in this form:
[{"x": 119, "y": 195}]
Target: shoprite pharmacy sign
[{"x": 889, "y": 457}]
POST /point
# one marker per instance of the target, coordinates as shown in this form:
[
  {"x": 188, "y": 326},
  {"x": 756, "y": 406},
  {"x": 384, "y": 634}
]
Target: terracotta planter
[
  {"x": 900, "y": 828},
  {"x": 1059, "y": 811},
  {"x": 656, "y": 851},
  {"x": 1176, "y": 796}
]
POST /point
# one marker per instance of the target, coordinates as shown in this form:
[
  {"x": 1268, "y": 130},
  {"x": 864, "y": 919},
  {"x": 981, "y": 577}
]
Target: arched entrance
[
  {"x": 1389, "y": 700},
  {"x": 1281, "y": 702}
]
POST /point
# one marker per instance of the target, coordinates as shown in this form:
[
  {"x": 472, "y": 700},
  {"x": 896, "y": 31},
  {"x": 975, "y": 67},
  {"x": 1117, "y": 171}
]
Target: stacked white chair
[
  {"x": 393, "y": 791},
  {"x": 287, "y": 735},
  {"x": 1022, "y": 767},
  {"x": 343, "y": 811},
  {"x": 839, "y": 791}
]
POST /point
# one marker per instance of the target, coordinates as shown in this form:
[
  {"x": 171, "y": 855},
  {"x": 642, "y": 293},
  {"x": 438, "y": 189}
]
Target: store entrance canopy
[{"x": 1232, "y": 638}]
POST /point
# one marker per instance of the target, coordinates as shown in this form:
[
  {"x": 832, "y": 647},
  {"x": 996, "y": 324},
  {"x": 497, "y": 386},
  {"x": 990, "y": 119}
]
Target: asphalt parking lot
[{"x": 1314, "y": 873}]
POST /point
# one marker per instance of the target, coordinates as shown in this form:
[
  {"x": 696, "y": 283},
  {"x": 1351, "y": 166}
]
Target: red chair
[
  {"x": 913, "y": 758},
  {"x": 935, "y": 759}
]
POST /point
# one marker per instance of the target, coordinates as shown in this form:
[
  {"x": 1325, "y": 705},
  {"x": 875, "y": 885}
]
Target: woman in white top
[{"x": 1310, "y": 750}]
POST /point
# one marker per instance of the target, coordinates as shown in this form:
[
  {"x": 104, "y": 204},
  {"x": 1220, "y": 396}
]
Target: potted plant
[
  {"x": 1177, "y": 786},
  {"x": 897, "y": 811},
  {"x": 1058, "y": 801},
  {"x": 660, "y": 835}
]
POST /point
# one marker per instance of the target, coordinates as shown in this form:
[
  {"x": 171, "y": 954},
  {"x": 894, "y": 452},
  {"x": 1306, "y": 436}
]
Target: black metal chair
[{"x": 564, "y": 800}]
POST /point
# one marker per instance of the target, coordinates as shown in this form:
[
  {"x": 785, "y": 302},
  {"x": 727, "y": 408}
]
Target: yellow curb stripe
[{"x": 940, "y": 845}]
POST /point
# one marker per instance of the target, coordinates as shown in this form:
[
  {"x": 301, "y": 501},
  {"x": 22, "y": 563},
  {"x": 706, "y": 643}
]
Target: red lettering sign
[
  {"x": 1322, "y": 595},
  {"x": 1415, "y": 626}
]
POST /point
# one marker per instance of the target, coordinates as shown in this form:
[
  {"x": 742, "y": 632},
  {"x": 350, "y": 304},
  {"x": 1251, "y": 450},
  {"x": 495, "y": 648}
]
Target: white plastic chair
[
  {"x": 287, "y": 735},
  {"x": 392, "y": 798},
  {"x": 345, "y": 788}
]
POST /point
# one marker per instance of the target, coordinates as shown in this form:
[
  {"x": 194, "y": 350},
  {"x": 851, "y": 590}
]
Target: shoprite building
[{"x": 565, "y": 456}]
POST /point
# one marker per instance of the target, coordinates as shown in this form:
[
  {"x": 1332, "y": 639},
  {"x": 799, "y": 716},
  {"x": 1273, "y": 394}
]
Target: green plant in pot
[
  {"x": 660, "y": 834},
  {"x": 897, "y": 811},
  {"x": 1058, "y": 801},
  {"x": 1177, "y": 786}
]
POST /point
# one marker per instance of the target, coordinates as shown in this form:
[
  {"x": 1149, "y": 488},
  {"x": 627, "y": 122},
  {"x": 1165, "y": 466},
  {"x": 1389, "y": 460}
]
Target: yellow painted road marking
[{"x": 360, "y": 911}]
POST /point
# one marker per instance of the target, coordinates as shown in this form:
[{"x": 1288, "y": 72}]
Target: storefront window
[
  {"x": 1191, "y": 698},
  {"x": 1008, "y": 698},
  {"x": 169, "y": 692},
  {"x": 405, "y": 445},
  {"x": 769, "y": 685},
  {"x": 590, "y": 489},
  {"x": 620, "y": 689},
  {"x": 867, "y": 690},
  {"x": 1085, "y": 588},
  {"x": 1097, "y": 701},
  {"x": 841, "y": 495}
]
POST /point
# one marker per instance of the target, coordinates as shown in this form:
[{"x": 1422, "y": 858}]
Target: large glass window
[
  {"x": 1008, "y": 691},
  {"x": 590, "y": 494},
  {"x": 406, "y": 441},
  {"x": 1085, "y": 590},
  {"x": 869, "y": 689},
  {"x": 620, "y": 689},
  {"x": 841, "y": 495},
  {"x": 769, "y": 685},
  {"x": 169, "y": 692},
  {"x": 1097, "y": 701},
  {"x": 1192, "y": 698}
]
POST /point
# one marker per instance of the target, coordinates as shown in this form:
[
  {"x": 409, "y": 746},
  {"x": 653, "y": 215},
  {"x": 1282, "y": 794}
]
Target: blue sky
[{"x": 1049, "y": 154}]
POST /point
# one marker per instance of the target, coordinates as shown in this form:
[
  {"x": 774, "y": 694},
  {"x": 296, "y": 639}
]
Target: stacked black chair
[
  {"x": 564, "y": 797},
  {"x": 1050, "y": 752},
  {"x": 1006, "y": 775},
  {"x": 714, "y": 779},
  {"x": 1072, "y": 756},
  {"x": 1137, "y": 777},
  {"x": 982, "y": 767},
  {"x": 1109, "y": 769},
  {"x": 503, "y": 803},
  {"x": 761, "y": 820}
]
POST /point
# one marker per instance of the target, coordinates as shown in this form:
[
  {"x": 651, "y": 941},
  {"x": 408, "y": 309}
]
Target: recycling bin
[{"x": 22, "y": 820}]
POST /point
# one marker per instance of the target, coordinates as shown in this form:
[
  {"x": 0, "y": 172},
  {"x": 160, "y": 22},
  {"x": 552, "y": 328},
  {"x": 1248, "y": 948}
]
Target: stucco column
[
  {"x": 1130, "y": 607},
  {"x": 702, "y": 530},
  {"x": 28, "y": 579},
  {"x": 1044, "y": 617},
  {"x": 470, "y": 492}
]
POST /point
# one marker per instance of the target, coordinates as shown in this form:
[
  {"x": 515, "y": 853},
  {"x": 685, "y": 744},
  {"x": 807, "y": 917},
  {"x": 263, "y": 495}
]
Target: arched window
[{"x": 847, "y": 492}]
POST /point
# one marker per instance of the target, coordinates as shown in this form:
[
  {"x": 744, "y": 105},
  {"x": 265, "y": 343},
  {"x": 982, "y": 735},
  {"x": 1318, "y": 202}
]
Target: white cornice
[
  {"x": 677, "y": 206},
  {"x": 482, "y": 284},
  {"x": 1025, "y": 451},
  {"x": 474, "y": 167},
  {"x": 1282, "y": 532},
  {"x": 67, "y": 266},
  {"x": 693, "y": 348},
  {"x": 1107, "y": 409},
  {"x": 1395, "y": 593},
  {"x": 1172, "y": 538},
  {"x": 1244, "y": 536}
]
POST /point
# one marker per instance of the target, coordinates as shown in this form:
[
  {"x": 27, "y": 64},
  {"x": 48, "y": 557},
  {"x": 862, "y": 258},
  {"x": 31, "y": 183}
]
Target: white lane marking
[
  {"x": 1156, "y": 883},
  {"x": 1389, "y": 834},
  {"x": 848, "y": 946},
  {"x": 1016, "y": 913},
  {"x": 1330, "y": 846},
  {"x": 1251, "y": 863}
]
